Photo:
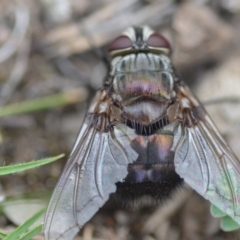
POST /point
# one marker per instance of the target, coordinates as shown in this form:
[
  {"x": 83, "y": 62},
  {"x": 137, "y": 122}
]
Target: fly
[{"x": 144, "y": 133}]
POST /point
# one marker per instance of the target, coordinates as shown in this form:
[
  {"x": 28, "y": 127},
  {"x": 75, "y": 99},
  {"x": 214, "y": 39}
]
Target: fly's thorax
[
  {"x": 139, "y": 61},
  {"x": 143, "y": 86}
]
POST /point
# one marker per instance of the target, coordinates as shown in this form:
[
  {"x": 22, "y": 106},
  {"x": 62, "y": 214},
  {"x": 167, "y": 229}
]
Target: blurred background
[{"x": 53, "y": 51}]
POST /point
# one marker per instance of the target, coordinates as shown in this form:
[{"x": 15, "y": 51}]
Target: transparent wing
[
  {"x": 97, "y": 162},
  {"x": 204, "y": 160}
]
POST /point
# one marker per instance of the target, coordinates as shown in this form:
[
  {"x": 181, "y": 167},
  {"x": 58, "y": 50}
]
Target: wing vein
[
  {"x": 98, "y": 173},
  {"x": 62, "y": 182},
  {"x": 200, "y": 152}
]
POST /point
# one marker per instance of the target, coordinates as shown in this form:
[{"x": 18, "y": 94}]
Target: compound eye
[
  {"x": 158, "y": 41},
  {"x": 119, "y": 43}
]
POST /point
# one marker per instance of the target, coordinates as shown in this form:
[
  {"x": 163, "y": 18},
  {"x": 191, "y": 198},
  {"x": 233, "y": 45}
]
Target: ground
[{"x": 50, "y": 47}]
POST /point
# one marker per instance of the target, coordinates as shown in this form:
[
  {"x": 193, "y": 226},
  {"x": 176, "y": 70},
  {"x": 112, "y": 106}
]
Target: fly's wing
[
  {"x": 97, "y": 162},
  {"x": 204, "y": 160}
]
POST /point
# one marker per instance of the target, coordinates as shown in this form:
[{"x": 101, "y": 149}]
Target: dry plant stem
[
  {"x": 17, "y": 73},
  {"x": 17, "y": 35},
  {"x": 162, "y": 9},
  {"x": 163, "y": 213},
  {"x": 100, "y": 32},
  {"x": 57, "y": 12},
  {"x": 88, "y": 232},
  {"x": 91, "y": 21},
  {"x": 16, "y": 43}
]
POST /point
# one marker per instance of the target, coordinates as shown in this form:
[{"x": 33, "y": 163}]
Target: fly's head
[{"x": 139, "y": 39}]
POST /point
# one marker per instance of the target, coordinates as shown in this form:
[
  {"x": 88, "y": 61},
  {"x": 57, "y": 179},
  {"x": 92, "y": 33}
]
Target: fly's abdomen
[{"x": 153, "y": 174}]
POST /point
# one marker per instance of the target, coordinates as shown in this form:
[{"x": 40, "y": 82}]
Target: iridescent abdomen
[{"x": 153, "y": 173}]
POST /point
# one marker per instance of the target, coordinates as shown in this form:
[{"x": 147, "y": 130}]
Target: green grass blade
[
  {"x": 2, "y": 235},
  {"x": 33, "y": 232},
  {"x": 24, "y": 227},
  {"x": 25, "y": 166},
  {"x": 60, "y": 99}
]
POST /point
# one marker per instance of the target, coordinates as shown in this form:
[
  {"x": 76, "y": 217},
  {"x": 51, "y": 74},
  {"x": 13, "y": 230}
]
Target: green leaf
[
  {"x": 216, "y": 212},
  {"x": 33, "y": 232},
  {"x": 29, "y": 165},
  {"x": 228, "y": 224},
  {"x": 2, "y": 235},
  {"x": 24, "y": 227}
]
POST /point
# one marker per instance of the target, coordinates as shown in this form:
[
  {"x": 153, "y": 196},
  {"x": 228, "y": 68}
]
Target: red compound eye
[
  {"x": 120, "y": 43},
  {"x": 158, "y": 41}
]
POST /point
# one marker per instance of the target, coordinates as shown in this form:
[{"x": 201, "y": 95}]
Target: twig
[
  {"x": 17, "y": 73},
  {"x": 17, "y": 35},
  {"x": 100, "y": 32}
]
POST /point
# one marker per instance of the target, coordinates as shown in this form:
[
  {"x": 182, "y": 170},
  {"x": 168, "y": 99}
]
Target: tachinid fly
[{"x": 143, "y": 133}]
